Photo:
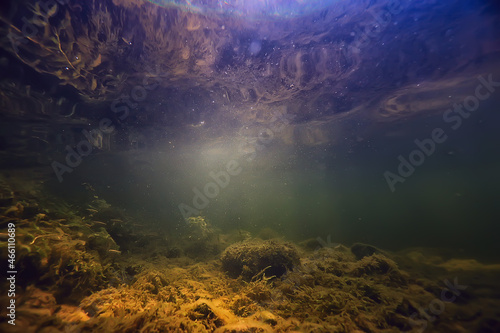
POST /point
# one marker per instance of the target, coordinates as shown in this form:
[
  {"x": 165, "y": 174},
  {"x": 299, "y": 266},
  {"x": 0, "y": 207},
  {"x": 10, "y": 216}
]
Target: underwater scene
[{"x": 250, "y": 166}]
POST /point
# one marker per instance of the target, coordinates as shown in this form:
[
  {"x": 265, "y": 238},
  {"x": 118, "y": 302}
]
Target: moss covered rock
[{"x": 248, "y": 259}]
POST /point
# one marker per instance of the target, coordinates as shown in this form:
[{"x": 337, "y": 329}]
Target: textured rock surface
[{"x": 248, "y": 259}]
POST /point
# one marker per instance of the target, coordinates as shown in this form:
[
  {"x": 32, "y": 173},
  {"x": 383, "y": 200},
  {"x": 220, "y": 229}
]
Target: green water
[{"x": 335, "y": 192}]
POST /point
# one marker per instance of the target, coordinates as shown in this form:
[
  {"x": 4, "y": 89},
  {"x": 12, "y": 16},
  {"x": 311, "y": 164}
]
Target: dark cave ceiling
[{"x": 71, "y": 63}]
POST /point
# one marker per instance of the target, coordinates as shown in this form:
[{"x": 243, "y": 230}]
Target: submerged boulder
[
  {"x": 248, "y": 259},
  {"x": 363, "y": 250}
]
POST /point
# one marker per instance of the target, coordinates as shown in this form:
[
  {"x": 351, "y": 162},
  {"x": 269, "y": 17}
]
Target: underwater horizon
[{"x": 250, "y": 166}]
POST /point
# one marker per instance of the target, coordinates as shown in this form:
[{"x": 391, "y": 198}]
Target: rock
[
  {"x": 310, "y": 244},
  {"x": 363, "y": 250},
  {"x": 247, "y": 259}
]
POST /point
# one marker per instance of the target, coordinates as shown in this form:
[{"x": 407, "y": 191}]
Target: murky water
[{"x": 329, "y": 166}]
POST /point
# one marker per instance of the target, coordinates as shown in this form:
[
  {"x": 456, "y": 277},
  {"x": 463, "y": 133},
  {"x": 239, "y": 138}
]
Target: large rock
[{"x": 247, "y": 259}]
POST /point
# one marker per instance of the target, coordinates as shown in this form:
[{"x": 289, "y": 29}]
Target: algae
[{"x": 76, "y": 278}]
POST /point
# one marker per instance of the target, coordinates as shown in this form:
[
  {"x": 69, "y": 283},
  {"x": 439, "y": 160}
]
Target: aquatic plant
[
  {"x": 71, "y": 281},
  {"x": 198, "y": 228},
  {"x": 60, "y": 45}
]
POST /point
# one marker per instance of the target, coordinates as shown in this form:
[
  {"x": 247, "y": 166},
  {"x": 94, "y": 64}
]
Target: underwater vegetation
[
  {"x": 75, "y": 276},
  {"x": 55, "y": 46},
  {"x": 143, "y": 103}
]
